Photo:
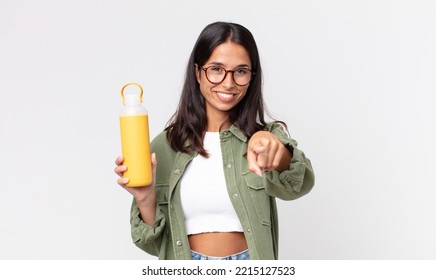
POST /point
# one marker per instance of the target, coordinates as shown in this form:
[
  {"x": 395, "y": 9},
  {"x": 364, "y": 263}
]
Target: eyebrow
[{"x": 238, "y": 66}]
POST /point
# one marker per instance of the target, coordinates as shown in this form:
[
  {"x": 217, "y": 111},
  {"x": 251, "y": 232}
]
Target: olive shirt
[{"x": 253, "y": 197}]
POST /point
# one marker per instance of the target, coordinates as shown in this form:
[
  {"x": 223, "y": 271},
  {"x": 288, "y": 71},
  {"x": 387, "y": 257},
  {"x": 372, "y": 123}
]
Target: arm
[
  {"x": 286, "y": 171},
  {"x": 147, "y": 221},
  {"x": 145, "y": 196}
]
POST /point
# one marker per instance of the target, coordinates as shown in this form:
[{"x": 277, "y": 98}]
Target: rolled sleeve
[{"x": 144, "y": 236}]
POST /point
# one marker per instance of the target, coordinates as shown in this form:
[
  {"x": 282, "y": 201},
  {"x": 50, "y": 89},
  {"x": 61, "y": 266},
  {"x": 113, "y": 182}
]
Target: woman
[{"x": 218, "y": 166}]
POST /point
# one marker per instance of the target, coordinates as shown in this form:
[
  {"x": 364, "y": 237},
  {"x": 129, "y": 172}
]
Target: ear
[{"x": 197, "y": 73}]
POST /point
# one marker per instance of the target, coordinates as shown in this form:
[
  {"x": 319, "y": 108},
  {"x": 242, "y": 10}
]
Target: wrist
[{"x": 146, "y": 197}]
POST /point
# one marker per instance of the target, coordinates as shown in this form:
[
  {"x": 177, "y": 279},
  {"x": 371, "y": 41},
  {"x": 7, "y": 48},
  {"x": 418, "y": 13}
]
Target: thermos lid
[{"x": 132, "y": 98}]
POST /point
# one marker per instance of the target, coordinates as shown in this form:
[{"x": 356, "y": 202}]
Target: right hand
[{"x": 140, "y": 193}]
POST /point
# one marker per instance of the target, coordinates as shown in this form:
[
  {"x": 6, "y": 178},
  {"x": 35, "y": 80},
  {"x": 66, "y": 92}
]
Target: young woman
[{"x": 218, "y": 166}]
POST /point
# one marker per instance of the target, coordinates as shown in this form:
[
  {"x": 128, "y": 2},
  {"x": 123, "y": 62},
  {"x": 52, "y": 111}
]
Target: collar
[
  {"x": 236, "y": 132},
  {"x": 233, "y": 130}
]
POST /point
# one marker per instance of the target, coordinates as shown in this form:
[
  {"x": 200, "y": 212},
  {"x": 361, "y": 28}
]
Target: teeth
[{"x": 227, "y": 95}]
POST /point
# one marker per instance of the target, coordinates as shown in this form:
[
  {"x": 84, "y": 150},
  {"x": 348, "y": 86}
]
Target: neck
[
  {"x": 218, "y": 125},
  {"x": 217, "y": 120}
]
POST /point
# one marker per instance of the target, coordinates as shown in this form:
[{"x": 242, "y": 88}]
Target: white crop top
[{"x": 205, "y": 201}]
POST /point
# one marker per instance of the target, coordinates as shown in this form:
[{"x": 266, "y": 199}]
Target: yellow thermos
[{"x": 135, "y": 139}]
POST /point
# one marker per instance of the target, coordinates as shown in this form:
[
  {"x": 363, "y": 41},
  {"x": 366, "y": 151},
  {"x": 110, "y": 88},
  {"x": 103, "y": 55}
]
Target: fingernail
[{"x": 125, "y": 180}]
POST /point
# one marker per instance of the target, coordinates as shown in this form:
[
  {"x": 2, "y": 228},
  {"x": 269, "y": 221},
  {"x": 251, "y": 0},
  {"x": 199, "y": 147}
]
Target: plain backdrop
[{"x": 354, "y": 81}]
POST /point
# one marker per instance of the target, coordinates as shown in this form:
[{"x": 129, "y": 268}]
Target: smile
[{"x": 225, "y": 97}]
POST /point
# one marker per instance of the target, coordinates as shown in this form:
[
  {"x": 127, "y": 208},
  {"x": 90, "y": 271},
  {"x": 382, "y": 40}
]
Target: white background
[{"x": 354, "y": 80}]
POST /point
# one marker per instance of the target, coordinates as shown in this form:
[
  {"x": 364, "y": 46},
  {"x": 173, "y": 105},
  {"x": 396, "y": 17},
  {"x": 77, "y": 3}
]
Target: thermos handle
[{"x": 135, "y": 84}]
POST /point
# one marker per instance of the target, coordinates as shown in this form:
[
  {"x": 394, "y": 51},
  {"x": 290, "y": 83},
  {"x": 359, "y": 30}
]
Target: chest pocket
[{"x": 261, "y": 200}]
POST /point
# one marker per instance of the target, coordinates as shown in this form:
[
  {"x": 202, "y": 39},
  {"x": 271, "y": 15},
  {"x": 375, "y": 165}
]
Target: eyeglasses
[{"x": 217, "y": 74}]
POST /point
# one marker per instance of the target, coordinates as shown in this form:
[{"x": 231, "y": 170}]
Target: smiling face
[{"x": 222, "y": 97}]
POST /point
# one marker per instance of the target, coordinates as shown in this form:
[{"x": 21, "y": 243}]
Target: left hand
[{"x": 265, "y": 152}]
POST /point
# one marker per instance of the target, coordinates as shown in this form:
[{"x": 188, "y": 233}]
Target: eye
[
  {"x": 242, "y": 71},
  {"x": 216, "y": 69}
]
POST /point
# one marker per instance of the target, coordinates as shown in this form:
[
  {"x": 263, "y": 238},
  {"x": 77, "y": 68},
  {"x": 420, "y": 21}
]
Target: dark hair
[{"x": 186, "y": 128}]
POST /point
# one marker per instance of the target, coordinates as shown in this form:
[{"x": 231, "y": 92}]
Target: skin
[
  {"x": 264, "y": 152},
  {"x": 230, "y": 56}
]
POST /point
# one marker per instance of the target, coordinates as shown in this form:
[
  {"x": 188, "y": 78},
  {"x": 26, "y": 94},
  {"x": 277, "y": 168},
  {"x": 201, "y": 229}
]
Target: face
[{"x": 222, "y": 97}]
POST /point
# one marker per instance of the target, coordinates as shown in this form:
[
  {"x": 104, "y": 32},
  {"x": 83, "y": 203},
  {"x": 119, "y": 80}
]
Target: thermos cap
[{"x": 132, "y": 98}]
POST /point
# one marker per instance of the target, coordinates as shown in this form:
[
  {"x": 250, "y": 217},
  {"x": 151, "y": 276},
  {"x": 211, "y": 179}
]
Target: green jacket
[{"x": 253, "y": 197}]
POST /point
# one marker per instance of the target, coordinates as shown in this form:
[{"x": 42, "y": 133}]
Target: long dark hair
[{"x": 186, "y": 128}]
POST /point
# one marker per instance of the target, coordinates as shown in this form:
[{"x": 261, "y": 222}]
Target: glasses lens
[
  {"x": 242, "y": 76},
  {"x": 215, "y": 74}
]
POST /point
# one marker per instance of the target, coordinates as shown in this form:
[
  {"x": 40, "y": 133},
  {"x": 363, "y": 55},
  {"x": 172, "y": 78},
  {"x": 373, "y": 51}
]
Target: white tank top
[{"x": 205, "y": 201}]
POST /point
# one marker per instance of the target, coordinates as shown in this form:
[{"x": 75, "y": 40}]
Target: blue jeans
[{"x": 244, "y": 255}]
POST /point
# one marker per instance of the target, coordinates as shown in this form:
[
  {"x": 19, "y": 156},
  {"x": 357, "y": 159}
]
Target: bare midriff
[{"x": 218, "y": 244}]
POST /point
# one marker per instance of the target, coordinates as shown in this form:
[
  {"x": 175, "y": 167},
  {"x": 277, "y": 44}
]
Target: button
[
  {"x": 177, "y": 171},
  {"x": 235, "y": 195},
  {"x": 172, "y": 206},
  {"x": 248, "y": 230},
  {"x": 179, "y": 243},
  {"x": 229, "y": 165}
]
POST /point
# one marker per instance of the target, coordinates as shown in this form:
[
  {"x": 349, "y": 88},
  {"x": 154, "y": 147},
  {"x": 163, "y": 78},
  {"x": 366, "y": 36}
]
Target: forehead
[{"x": 229, "y": 54}]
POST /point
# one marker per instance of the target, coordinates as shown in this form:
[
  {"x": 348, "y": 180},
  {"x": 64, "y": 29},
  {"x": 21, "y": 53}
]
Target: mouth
[{"x": 225, "y": 96}]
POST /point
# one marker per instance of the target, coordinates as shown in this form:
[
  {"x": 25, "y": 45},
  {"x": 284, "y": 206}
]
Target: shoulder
[
  {"x": 161, "y": 137},
  {"x": 160, "y": 143},
  {"x": 278, "y": 128}
]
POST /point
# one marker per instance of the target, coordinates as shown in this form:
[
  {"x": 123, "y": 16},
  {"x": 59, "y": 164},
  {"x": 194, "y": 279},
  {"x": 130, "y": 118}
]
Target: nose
[{"x": 228, "y": 81}]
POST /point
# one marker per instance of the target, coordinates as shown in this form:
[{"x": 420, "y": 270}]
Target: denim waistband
[{"x": 244, "y": 255}]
